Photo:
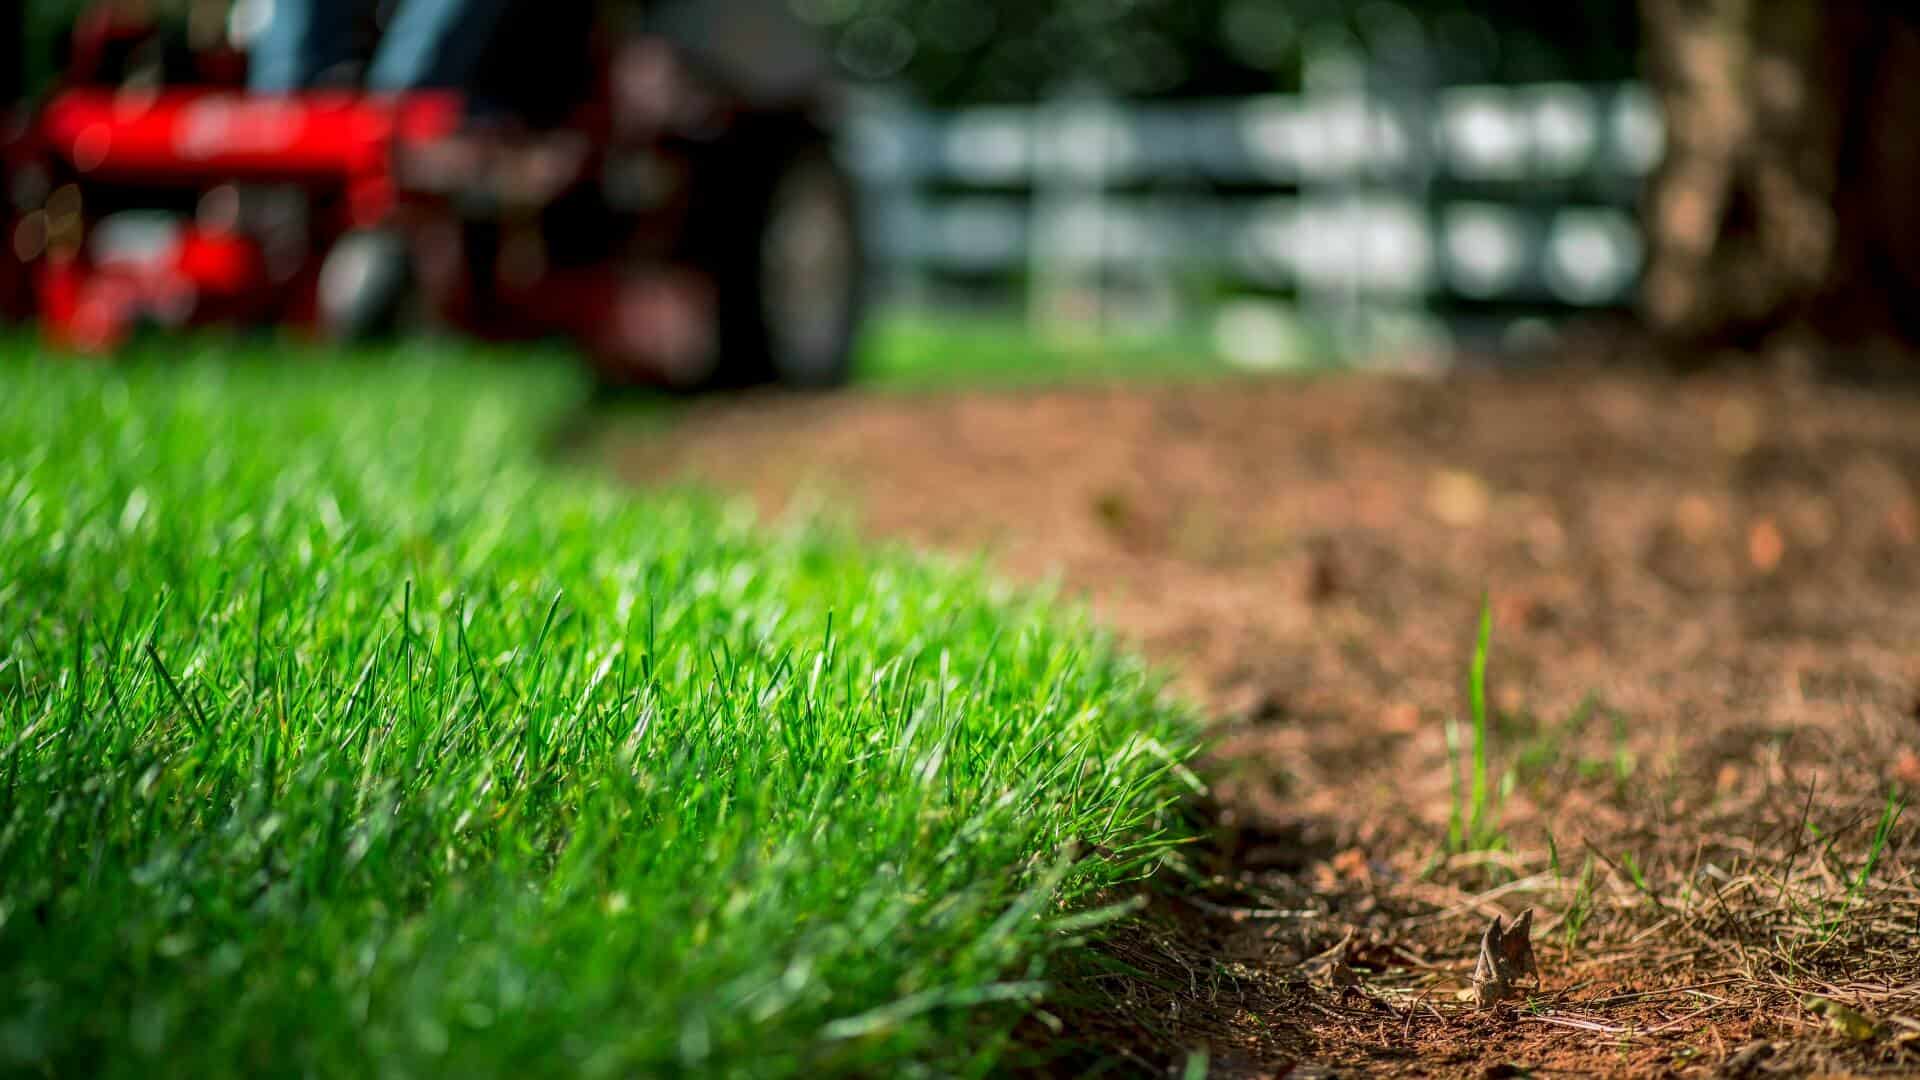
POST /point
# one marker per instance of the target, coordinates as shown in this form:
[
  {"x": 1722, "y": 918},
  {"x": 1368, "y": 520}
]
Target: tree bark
[
  {"x": 1788, "y": 203},
  {"x": 13, "y": 56}
]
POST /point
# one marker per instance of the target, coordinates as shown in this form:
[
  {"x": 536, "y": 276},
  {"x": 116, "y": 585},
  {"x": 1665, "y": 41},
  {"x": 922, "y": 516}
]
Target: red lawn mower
[{"x": 663, "y": 192}]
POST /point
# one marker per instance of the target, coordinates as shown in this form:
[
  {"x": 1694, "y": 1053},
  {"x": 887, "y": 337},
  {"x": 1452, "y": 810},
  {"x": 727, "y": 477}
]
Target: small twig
[
  {"x": 1242, "y": 914},
  {"x": 1628, "y": 1030},
  {"x": 1480, "y": 900},
  {"x": 1643, "y": 995}
]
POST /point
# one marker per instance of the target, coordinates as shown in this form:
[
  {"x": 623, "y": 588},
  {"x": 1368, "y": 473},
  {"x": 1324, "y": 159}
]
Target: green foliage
[
  {"x": 1580, "y": 905},
  {"x": 952, "y": 51},
  {"x": 1890, "y": 813},
  {"x": 42, "y": 23},
  {"x": 1472, "y": 823},
  {"x": 914, "y": 350},
  {"x": 958, "y": 51},
  {"x": 336, "y": 737}
]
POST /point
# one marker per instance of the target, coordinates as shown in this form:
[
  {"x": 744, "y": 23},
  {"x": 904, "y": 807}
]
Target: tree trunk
[
  {"x": 1788, "y": 204},
  {"x": 13, "y": 58}
]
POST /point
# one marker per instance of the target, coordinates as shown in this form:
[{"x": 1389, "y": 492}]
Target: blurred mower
[{"x": 662, "y": 192}]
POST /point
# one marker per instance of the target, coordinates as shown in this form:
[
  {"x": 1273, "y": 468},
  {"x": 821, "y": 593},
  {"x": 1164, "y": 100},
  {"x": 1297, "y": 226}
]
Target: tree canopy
[
  {"x": 957, "y": 51},
  {"x": 954, "y": 51}
]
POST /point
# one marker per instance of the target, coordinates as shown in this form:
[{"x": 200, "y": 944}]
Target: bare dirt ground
[{"x": 1705, "y": 680}]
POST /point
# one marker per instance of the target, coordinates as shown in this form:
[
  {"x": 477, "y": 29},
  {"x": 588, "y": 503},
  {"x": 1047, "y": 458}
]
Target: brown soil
[{"x": 1705, "y": 677}]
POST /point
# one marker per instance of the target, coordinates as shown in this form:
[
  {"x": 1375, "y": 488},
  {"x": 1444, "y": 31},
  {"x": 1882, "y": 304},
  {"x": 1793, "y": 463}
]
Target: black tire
[
  {"x": 788, "y": 266},
  {"x": 365, "y": 282}
]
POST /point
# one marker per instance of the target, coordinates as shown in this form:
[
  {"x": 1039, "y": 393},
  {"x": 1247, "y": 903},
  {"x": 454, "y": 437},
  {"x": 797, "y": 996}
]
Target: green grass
[
  {"x": 339, "y": 736},
  {"x": 1876, "y": 848},
  {"x": 1473, "y": 817},
  {"x": 917, "y": 350}
]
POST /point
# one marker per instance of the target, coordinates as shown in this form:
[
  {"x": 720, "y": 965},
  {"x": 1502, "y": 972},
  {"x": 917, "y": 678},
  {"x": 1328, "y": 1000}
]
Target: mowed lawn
[{"x": 341, "y": 735}]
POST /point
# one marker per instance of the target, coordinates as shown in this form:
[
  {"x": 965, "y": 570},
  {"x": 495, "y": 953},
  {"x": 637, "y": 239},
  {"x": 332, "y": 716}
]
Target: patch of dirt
[{"x": 1705, "y": 682}]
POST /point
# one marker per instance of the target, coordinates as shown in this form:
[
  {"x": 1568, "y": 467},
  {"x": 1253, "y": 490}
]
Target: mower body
[{"x": 685, "y": 231}]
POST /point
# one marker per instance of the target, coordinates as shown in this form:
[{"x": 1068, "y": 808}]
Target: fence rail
[{"x": 1490, "y": 195}]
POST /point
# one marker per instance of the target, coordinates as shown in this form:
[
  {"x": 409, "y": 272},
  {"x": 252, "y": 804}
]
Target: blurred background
[
  {"x": 1265, "y": 182},
  {"x": 1274, "y": 184}
]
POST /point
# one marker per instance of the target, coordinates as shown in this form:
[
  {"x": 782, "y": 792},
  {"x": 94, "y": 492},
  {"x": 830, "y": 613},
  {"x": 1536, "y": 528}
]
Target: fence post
[{"x": 1073, "y": 133}]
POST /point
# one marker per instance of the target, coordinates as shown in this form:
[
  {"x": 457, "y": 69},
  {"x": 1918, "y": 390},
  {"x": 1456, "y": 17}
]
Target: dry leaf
[
  {"x": 1736, "y": 427},
  {"x": 1340, "y": 975},
  {"x": 1697, "y": 517},
  {"x": 1904, "y": 521},
  {"x": 1727, "y": 778},
  {"x": 1330, "y": 969},
  {"x": 1765, "y": 545},
  {"x": 1458, "y": 497},
  {"x": 1842, "y": 1020},
  {"x": 1906, "y": 1033},
  {"x": 1506, "y": 957},
  {"x": 1401, "y": 718},
  {"x": 1746, "y": 1061},
  {"x": 1906, "y": 767},
  {"x": 1351, "y": 864}
]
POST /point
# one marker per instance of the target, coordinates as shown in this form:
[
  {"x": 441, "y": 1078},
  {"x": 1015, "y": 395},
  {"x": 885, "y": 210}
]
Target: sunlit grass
[
  {"x": 339, "y": 736},
  {"x": 914, "y": 350},
  {"x": 1473, "y": 814}
]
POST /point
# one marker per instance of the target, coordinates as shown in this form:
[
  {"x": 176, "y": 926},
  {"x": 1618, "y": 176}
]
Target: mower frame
[{"x": 655, "y": 223}]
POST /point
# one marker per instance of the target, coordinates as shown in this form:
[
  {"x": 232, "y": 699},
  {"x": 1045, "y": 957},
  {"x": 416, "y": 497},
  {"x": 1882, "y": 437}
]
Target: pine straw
[
  {"x": 1729, "y": 568},
  {"x": 1720, "y": 956}
]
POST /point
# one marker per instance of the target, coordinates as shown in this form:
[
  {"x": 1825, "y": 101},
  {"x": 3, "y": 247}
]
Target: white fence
[{"x": 1340, "y": 202}]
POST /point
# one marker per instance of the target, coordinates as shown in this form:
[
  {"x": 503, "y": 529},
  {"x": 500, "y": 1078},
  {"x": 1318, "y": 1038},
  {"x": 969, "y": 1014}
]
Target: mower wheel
[
  {"x": 364, "y": 284},
  {"x": 789, "y": 274}
]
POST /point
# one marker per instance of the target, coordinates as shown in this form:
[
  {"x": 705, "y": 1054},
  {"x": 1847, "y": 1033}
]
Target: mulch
[{"x": 1704, "y": 679}]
